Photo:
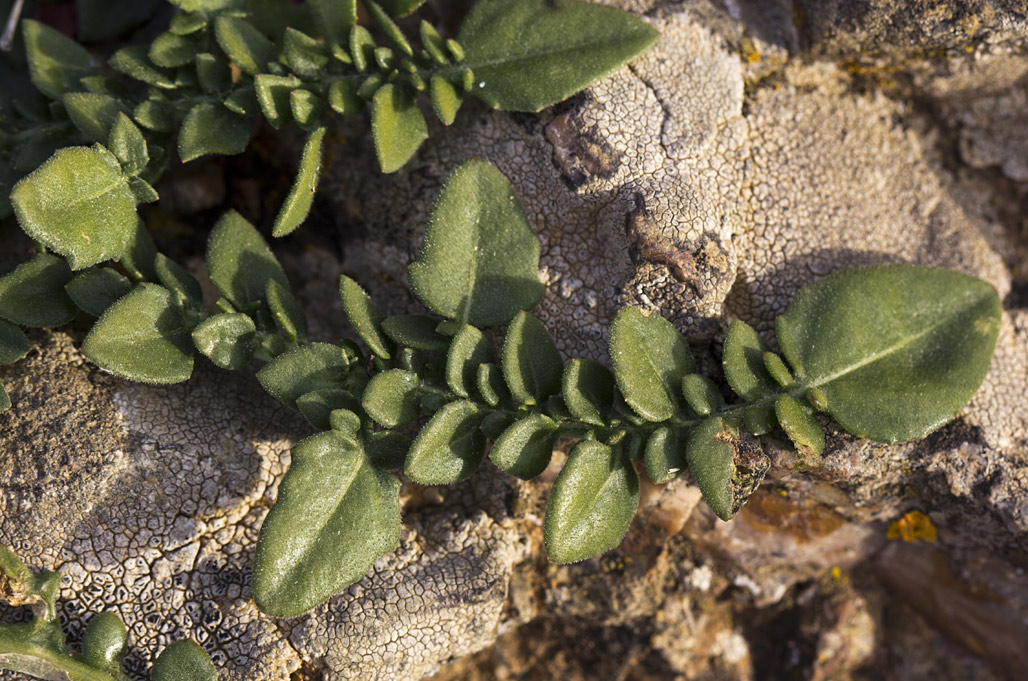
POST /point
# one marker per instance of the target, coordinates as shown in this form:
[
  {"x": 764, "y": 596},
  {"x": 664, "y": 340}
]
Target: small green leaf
[
  {"x": 56, "y": 63},
  {"x": 317, "y": 406},
  {"x": 663, "y": 456},
  {"x": 712, "y": 462},
  {"x": 243, "y": 101},
  {"x": 128, "y": 144},
  {"x": 759, "y": 419},
  {"x": 172, "y": 51},
  {"x": 183, "y": 661},
  {"x": 588, "y": 389},
  {"x": 399, "y": 8},
  {"x": 298, "y": 204},
  {"x": 304, "y": 369},
  {"x": 104, "y": 642},
  {"x": 592, "y": 504},
  {"x": 334, "y": 516},
  {"x": 273, "y": 95},
  {"x": 142, "y": 337},
  {"x": 244, "y": 44},
  {"x": 415, "y": 331},
  {"x": 78, "y": 206},
  {"x": 446, "y": 99},
  {"x": 345, "y": 421},
  {"x": 139, "y": 256},
  {"x": 212, "y": 129},
  {"x": 335, "y": 17},
  {"x": 433, "y": 43},
  {"x": 155, "y": 115},
  {"x": 495, "y": 423},
  {"x": 307, "y": 109},
  {"x": 362, "y": 47},
  {"x": 92, "y": 114},
  {"x": 184, "y": 23},
  {"x": 343, "y": 98},
  {"x": 387, "y": 449},
  {"x": 176, "y": 278},
  {"x": 213, "y": 74},
  {"x": 33, "y": 294},
  {"x": 286, "y": 310},
  {"x": 469, "y": 349},
  {"x": 800, "y": 425},
  {"x": 391, "y": 398},
  {"x": 525, "y": 448},
  {"x": 304, "y": 55},
  {"x": 450, "y": 446},
  {"x": 480, "y": 258},
  {"x": 397, "y": 125},
  {"x": 134, "y": 62},
  {"x": 649, "y": 358},
  {"x": 95, "y": 290},
  {"x": 777, "y": 370},
  {"x": 228, "y": 339},
  {"x": 142, "y": 191},
  {"x": 701, "y": 394},
  {"x": 364, "y": 316},
  {"x": 743, "y": 362},
  {"x": 532, "y": 365},
  {"x": 529, "y": 54},
  {"x": 370, "y": 86},
  {"x": 239, "y": 261},
  {"x": 388, "y": 26},
  {"x": 13, "y": 343},
  {"x": 489, "y": 381},
  {"x": 898, "y": 350}
]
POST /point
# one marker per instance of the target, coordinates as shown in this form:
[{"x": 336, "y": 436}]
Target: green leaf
[
  {"x": 532, "y": 365},
  {"x": 743, "y": 362},
  {"x": 364, "y": 316},
  {"x": 362, "y": 47},
  {"x": 480, "y": 258},
  {"x": 489, "y": 381},
  {"x": 414, "y": 331},
  {"x": 433, "y": 43},
  {"x": 334, "y": 516},
  {"x": 13, "y": 343},
  {"x": 247, "y": 47},
  {"x": 171, "y": 51},
  {"x": 239, "y": 261},
  {"x": 525, "y": 448},
  {"x": 104, "y": 642},
  {"x": 307, "y": 109},
  {"x": 304, "y": 369},
  {"x": 897, "y": 350},
  {"x": 183, "y": 661},
  {"x": 92, "y": 114},
  {"x": 273, "y": 95},
  {"x": 287, "y": 311},
  {"x": 213, "y": 74},
  {"x": 176, "y": 278},
  {"x": 155, "y": 115},
  {"x": 139, "y": 256},
  {"x": 317, "y": 406},
  {"x": 777, "y": 370},
  {"x": 335, "y": 17},
  {"x": 701, "y": 394},
  {"x": 399, "y": 8},
  {"x": 342, "y": 97},
  {"x": 186, "y": 22},
  {"x": 759, "y": 418},
  {"x": 387, "y": 449},
  {"x": 469, "y": 349},
  {"x": 649, "y": 358},
  {"x": 592, "y": 504},
  {"x": 228, "y": 339},
  {"x": 800, "y": 425},
  {"x": 105, "y": 19},
  {"x": 529, "y": 54},
  {"x": 128, "y": 144},
  {"x": 142, "y": 337},
  {"x": 446, "y": 99},
  {"x": 33, "y": 294},
  {"x": 212, "y": 129},
  {"x": 304, "y": 55},
  {"x": 712, "y": 462},
  {"x": 391, "y": 398},
  {"x": 78, "y": 206},
  {"x": 95, "y": 290},
  {"x": 663, "y": 456},
  {"x": 450, "y": 446},
  {"x": 133, "y": 61},
  {"x": 298, "y": 204},
  {"x": 588, "y": 389},
  {"x": 56, "y": 63},
  {"x": 388, "y": 26},
  {"x": 142, "y": 191},
  {"x": 243, "y": 101},
  {"x": 397, "y": 125}
]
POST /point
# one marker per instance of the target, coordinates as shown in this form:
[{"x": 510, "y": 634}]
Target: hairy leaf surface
[
  {"x": 33, "y": 294},
  {"x": 649, "y": 358},
  {"x": 532, "y": 365},
  {"x": 239, "y": 261},
  {"x": 450, "y": 447}
]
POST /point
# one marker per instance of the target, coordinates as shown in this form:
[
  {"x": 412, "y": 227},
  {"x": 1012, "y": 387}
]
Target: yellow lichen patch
[{"x": 914, "y": 526}]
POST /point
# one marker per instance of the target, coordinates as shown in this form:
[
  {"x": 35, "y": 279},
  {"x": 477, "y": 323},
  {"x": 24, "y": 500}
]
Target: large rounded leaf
[
  {"x": 334, "y": 516},
  {"x": 593, "y": 502},
  {"x": 142, "y": 337},
  {"x": 898, "y": 350},
  {"x": 480, "y": 259}
]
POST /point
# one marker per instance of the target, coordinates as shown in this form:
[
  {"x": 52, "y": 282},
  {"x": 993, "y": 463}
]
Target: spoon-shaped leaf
[
  {"x": 390, "y": 398},
  {"x": 712, "y": 461},
  {"x": 469, "y": 350},
  {"x": 450, "y": 447},
  {"x": 593, "y": 502},
  {"x": 334, "y": 516},
  {"x": 525, "y": 448},
  {"x": 480, "y": 257},
  {"x": 588, "y": 389},
  {"x": 529, "y": 54},
  {"x": 316, "y": 366},
  {"x": 240, "y": 262},
  {"x": 897, "y": 350},
  {"x": 364, "y": 316},
  {"x": 743, "y": 361},
  {"x": 183, "y": 661},
  {"x": 397, "y": 126},
  {"x": 531, "y": 362},
  {"x": 34, "y": 295}
]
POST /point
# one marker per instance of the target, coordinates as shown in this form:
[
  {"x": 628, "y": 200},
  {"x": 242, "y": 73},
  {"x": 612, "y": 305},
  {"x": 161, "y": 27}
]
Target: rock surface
[{"x": 757, "y": 148}]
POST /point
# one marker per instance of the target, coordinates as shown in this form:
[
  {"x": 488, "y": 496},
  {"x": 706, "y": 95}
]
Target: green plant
[{"x": 38, "y": 647}]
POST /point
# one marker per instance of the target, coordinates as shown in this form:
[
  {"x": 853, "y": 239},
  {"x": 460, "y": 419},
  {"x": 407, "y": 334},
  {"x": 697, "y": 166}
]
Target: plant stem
[{"x": 27, "y": 657}]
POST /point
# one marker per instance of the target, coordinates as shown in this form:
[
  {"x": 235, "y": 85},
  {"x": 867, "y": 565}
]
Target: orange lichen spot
[
  {"x": 914, "y": 526},
  {"x": 748, "y": 51}
]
